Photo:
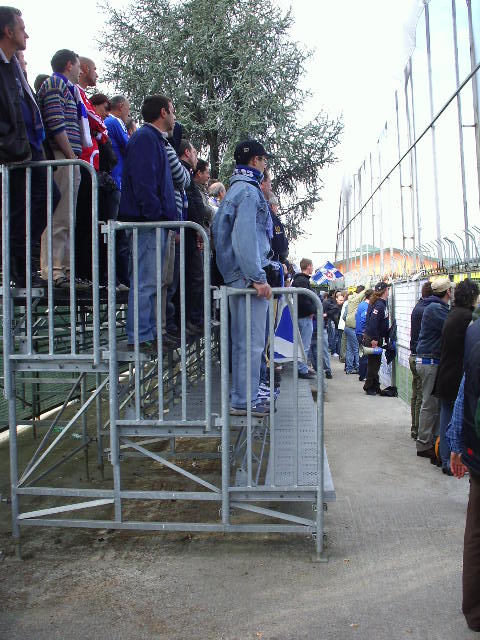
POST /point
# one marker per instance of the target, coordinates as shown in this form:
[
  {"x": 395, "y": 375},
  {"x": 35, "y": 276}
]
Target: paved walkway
[{"x": 394, "y": 571}]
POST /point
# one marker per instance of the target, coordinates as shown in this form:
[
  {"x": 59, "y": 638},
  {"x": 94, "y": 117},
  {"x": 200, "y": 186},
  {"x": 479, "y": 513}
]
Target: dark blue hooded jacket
[{"x": 430, "y": 339}]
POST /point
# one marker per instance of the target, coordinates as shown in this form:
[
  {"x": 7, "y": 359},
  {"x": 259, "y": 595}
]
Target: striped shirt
[
  {"x": 181, "y": 180},
  {"x": 59, "y": 111}
]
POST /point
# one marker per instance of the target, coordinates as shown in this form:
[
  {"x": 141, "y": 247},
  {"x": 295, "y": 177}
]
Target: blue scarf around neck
[{"x": 249, "y": 172}]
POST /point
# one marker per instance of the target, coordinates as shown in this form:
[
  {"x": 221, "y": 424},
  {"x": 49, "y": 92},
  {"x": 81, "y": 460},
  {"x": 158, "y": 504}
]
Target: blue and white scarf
[{"x": 249, "y": 172}]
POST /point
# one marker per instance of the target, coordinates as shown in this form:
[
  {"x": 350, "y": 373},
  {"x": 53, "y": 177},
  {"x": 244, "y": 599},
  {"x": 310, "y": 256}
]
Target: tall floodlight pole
[
  {"x": 373, "y": 214},
  {"x": 474, "y": 56},
  {"x": 433, "y": 128},
  {"x": 361, "y": 215},
  {"x": 380, "y": 232},
  {"x": 460, "y": 127},
  {"x": 399, "y": 150},
  {"x": 416, "y": 228}
]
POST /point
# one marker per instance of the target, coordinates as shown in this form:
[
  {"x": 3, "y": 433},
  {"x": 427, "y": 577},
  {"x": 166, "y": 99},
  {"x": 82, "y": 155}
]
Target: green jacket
[{"x": 352, "y": 308}]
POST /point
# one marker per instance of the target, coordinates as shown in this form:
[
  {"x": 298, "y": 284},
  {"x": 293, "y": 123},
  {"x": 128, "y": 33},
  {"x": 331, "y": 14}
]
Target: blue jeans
[
  {"x": 351, "y": 359},
  {"x": 259, "y": 307},
  {"x": 331, "y": 335},
  {"x": 147, "y": 285},
  {"x": 337, "y": 347},
  {"x": 263, "y": 365},
  {"x": 446, "y": 409},
  {"x": 305, "y": 326},
  {"x": 363, "y": 361}
]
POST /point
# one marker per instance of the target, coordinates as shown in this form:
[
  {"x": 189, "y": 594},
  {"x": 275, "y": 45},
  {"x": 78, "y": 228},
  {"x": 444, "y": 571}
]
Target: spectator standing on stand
[
  {"x": 67, "y": 130},
  {"x": 147, "y": 196},
  {"x": 242, "y": 247},
  {"x": 21, "y": 138}
]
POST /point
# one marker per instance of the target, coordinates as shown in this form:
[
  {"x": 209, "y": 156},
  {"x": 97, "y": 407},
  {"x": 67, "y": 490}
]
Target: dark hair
[
  {"x": 39, "y": 80},
  {"x": 202, "y": 165},
  {"x": 466, "y": 293},
  {"x": 100, "y": 98},
  {"x": 62, "y": 58},
  {"x": 152, "y": 107},
  {"x": 427, "y": 290},
  {"x": 360, "y": 288},
  {"x": 7, "y": 18},
  {"x": 183, "y": 146},
  {"x": 117, "y": 101},
  {"x": 368, "y": 294}
]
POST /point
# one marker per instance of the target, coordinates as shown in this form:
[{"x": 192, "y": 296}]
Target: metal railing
[{"x": 156, "y": 398}]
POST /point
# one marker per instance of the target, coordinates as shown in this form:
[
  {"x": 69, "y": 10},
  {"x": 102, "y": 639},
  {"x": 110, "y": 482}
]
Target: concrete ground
[{"x": 394, "y": 547}]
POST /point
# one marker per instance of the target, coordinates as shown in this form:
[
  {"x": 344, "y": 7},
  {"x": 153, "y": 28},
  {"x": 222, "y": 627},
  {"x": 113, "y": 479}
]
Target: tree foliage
[{"x": 232, "y": 72}]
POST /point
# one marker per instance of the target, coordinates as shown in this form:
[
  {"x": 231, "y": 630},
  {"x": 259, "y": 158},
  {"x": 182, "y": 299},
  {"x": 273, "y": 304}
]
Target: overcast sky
[{"x": 359, "y": 52}]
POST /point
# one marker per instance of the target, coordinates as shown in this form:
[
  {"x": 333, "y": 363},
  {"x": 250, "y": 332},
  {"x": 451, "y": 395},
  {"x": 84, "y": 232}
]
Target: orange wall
[{"x": 395, "y": 267}]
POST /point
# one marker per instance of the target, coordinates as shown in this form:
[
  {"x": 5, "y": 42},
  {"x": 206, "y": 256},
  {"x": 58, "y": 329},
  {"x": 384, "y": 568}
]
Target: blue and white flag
[
  {"x": 283, "y": 345},
  {"x": 326, "y": 273}
]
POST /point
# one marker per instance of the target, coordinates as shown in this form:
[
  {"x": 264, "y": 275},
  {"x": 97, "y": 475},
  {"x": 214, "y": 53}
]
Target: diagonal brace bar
[{"x": 170, "y": 465}]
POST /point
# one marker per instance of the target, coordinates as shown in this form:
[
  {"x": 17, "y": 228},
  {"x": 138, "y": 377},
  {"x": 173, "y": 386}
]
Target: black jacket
[
  {"x": 450, "y": 369},
  {"x": 197, "y": 211},
  {"x": 306, "y": 306},
  {"x": 279, "y": 240},
  {"x": 416, "y": 322},
  {"x": 14, "y": 144},
  {"x": 471, "y": 408},
  {"x": 376, "y": 326}
]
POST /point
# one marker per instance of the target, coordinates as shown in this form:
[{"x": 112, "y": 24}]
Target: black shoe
[
  {"x": 170, "y": 341},
  {"x": 149, "y": 347},
  {"x": 413, "y": 434},
  {"x": 447, "y": 471},
  {"x": 427, "y": 453},
  {"x": 328, "y": 375},
  {"x": 361, "y": 379},
  {"x": 307, "y": 376},
  {"x": 371, "y": 392}
]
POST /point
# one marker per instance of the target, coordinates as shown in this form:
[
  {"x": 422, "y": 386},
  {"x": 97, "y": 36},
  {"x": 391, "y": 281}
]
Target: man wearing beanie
[{"x": 240, "y": 234}]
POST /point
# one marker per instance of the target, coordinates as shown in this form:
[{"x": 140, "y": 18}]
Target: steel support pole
[
  {"x": 225, "y": 390},
  {"x": 433, "y": 130}
]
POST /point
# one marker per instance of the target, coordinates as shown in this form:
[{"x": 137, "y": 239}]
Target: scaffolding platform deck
[{"x": 287, "y": 464}]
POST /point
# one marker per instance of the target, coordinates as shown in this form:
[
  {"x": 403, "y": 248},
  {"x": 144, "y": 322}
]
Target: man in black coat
[
  {"x": 306, "y": 311},
  {"x": 21, "y": 138},
  {"x": 196, "y": 212}
]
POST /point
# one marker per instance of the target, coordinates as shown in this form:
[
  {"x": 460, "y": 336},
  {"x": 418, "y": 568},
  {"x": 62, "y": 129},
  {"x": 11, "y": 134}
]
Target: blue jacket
[
  {"x": 376, "y": 324},
  {"x": 416, "y": 321},
  {"x": 430, "y": 338},
  {"x": 118, "y": 135},
  {"x": 361, "y": 317},
  {"x": 147, "y": 185},
  {"x": 240, "y": 232}
]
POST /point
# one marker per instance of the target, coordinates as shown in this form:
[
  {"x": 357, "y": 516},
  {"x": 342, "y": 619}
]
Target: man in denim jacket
[{"x": 240, "y": 233}]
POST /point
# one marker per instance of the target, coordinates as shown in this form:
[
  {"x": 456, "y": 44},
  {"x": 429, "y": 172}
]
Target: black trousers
[
  {"x": 471, "y": 557},
  {"x": 193, "y": 279},
  {"x": 18, "y": 239},
  {"x": 372, "y": 381}
]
